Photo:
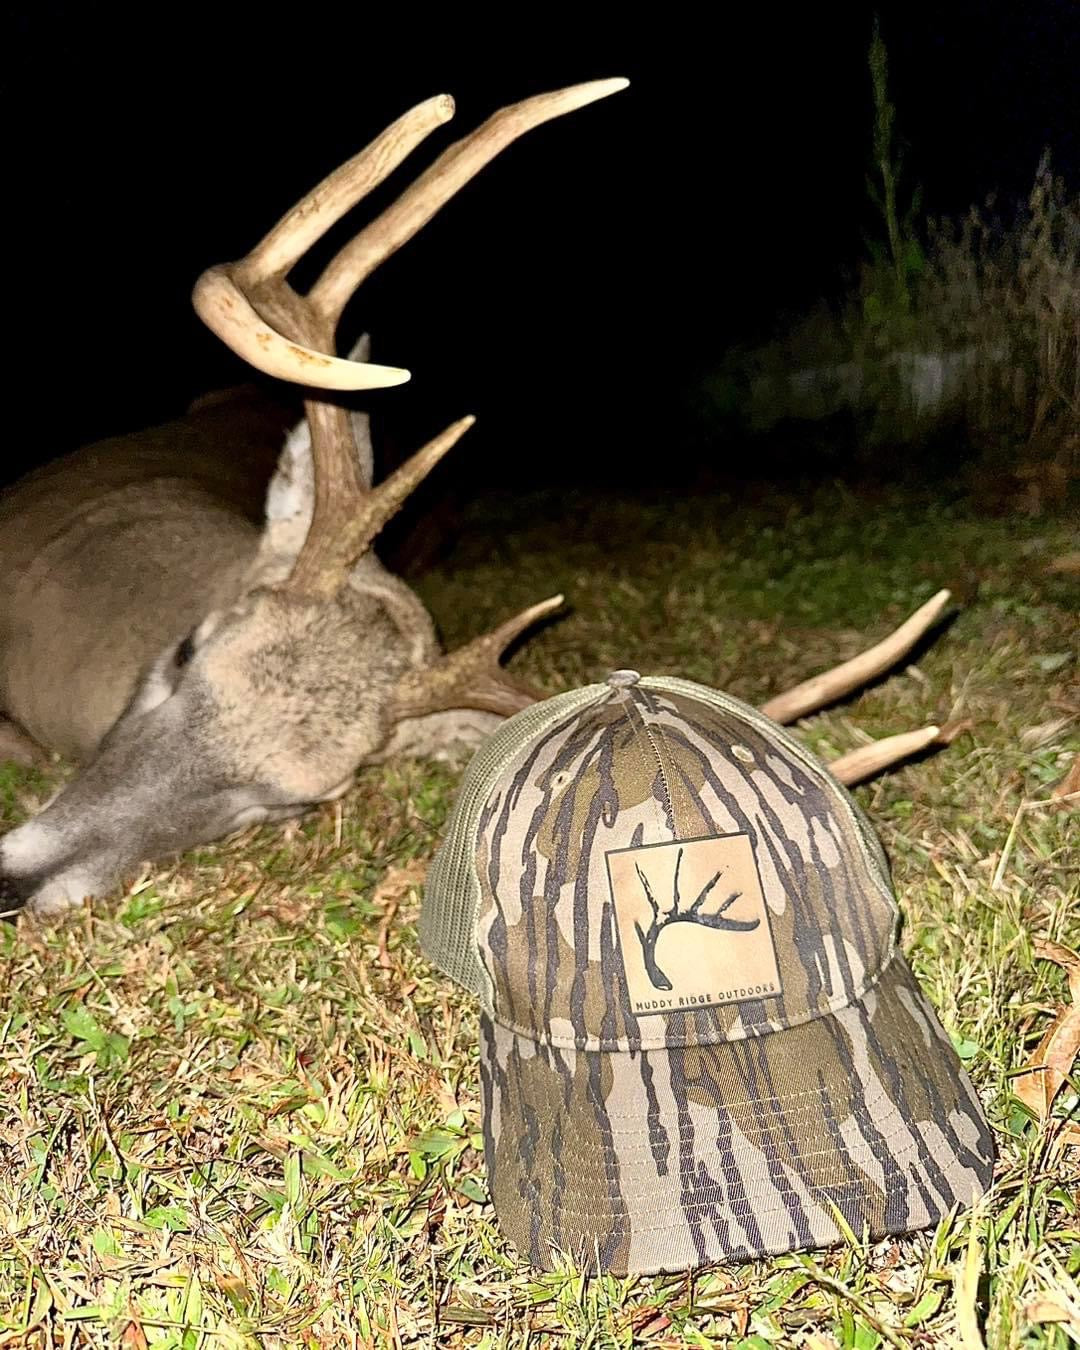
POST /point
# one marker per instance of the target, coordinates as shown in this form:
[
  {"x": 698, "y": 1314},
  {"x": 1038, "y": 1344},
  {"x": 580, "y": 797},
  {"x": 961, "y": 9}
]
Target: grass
[{"x": 240, "y": 1109}]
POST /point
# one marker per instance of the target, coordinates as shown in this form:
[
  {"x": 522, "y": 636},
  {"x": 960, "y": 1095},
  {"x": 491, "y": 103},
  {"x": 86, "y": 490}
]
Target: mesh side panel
[
  {"x": 849, "y": 808},
  {"x": 452, "y": 889}
]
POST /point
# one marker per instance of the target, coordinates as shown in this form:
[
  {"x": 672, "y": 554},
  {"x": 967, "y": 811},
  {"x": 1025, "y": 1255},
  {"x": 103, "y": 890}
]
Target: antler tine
[
  {"x": 434, "y": 188},
  {"x": 306, "y": 223},
  {"x": 242, "y": 301},
  {"x": 858, "y": 765},
  {"x": 833, "y": 684},
  {"x": 471, "y": 677},
  {"x": 336, "y": 539}
]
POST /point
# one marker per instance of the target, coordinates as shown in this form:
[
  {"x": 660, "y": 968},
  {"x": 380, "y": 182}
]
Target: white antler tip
[
  {"x": 444, "y": 106},
  {"x": 369, "y": 376},
  {"x": 596, "y": 89}
]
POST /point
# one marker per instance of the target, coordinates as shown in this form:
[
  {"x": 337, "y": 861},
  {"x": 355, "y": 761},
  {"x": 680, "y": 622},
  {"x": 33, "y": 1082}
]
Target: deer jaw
[{"x": 267, "y": 709}]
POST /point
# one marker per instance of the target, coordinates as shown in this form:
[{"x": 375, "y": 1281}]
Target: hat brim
[{"x": 637, "y": 1163}]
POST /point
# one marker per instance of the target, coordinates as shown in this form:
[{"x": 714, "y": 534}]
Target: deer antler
[
  {"x": 471, "y": 677},
  {"x": 819, "y": 690},
  {"x": 833, "y": 684},
  {"x": 858, "y": 765},
  {"x": 251, "y": 306}
]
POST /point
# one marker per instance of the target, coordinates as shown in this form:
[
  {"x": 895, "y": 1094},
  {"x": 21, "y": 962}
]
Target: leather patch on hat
[{"x": 693, "y": 924}]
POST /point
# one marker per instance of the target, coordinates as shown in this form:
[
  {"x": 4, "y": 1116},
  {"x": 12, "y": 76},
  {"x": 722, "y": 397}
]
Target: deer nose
[{"x": 15, "y": 891}]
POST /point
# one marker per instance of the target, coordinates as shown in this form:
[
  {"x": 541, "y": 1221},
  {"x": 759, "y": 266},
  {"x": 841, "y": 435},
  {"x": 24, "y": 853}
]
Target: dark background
[{"x": 572, "y": 295}]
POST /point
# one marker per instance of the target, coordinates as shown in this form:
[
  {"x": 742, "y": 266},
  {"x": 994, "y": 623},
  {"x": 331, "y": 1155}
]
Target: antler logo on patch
[
  {"x": 677, "y": 915},
  {"x": 733, "y": 960}
]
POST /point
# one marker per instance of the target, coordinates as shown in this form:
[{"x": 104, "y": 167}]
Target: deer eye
[{"x": 184, "y": 652}]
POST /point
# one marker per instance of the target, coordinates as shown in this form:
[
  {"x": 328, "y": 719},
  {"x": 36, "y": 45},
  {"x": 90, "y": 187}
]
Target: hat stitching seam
[
  {"x": 844, "y": 1190},
  {"x": 768, "y": 1102},
  {"x": 644, "y": 1148},
  {"x": 639, "y": 731},
  {"x": 891, "y": 1186},
  {"x": 650, "y": 1146},
  {"x": 886, "y": 1013}
]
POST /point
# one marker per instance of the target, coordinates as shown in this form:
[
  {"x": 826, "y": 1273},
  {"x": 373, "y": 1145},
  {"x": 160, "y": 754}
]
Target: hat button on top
[{"x": 622, "y": 679}]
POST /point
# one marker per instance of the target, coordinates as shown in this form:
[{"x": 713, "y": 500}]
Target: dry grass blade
[
  {"x": 1050, "y": 1310},
  {"x": 967, "y": 1293}
]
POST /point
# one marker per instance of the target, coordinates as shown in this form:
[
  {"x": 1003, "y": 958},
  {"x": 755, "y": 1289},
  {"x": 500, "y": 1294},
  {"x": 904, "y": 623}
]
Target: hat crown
[{"x": 664, "y": 866}]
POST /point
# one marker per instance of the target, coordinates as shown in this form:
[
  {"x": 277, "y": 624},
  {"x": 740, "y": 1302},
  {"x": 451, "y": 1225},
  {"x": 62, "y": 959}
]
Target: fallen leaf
[
  {"x": 1061, "y": 956},
  {"x": 1054, "y": 1056},
  {"x": 399, "y": 880},
  {"x": 234, "y": 1286},
  {"x": 388, "y": 894},
  {"x": 133, "y": 1337},
  {"x": 649, "y": 1321},
  {"x": 1068, "y": 562},
  {"x": 1070, "y": 784},
  {"x": 1049, "y": 1310}
]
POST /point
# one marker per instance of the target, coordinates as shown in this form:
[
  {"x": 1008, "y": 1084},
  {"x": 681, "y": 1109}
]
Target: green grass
[{"x": 226, "y": 1121}]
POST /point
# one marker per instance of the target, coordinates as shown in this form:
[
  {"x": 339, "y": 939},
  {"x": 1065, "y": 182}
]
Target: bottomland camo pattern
[
  {"x": 663, "y": 1160},
  {"x": 662, "y": 844}
]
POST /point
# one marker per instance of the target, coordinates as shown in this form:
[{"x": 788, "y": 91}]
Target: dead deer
[{"x": 210, "y": 664}]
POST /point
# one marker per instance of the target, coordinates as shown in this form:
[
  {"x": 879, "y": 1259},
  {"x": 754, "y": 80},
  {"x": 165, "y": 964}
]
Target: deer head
[{"x": 317, "y": 659}]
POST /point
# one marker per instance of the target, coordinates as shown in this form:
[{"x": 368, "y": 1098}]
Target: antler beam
[{"x": 433, "y": 189}]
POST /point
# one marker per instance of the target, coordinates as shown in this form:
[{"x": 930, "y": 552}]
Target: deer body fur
[{"x": 117, "y": 551}]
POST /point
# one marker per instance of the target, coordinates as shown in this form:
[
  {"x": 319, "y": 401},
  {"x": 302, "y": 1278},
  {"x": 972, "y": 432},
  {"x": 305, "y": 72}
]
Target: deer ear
[{"x": 291, "y": 495}]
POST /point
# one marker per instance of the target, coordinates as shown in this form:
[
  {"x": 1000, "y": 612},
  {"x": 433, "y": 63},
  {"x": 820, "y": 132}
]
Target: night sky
[{"x": 573, "y": 294}]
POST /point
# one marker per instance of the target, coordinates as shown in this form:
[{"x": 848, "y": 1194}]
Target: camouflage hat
[{"x": 699, "y": 1040}]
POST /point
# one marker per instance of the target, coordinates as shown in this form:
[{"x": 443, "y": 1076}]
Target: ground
[{"x": 240, "y": 1108}]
